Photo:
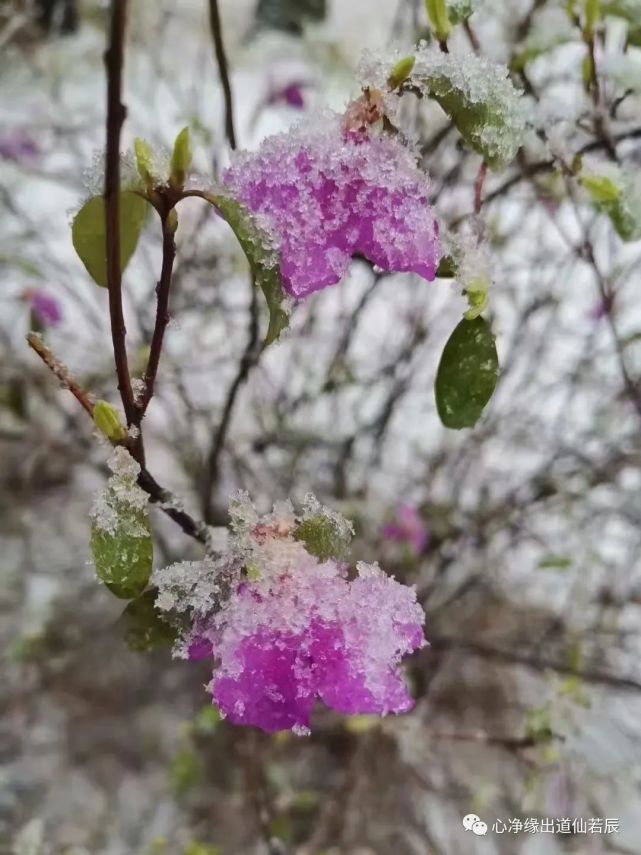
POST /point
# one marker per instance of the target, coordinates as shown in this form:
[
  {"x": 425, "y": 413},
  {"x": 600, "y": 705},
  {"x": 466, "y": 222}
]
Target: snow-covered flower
[
  {"x": 324, "y": 194},
  {"x": 296, "y": 629}
]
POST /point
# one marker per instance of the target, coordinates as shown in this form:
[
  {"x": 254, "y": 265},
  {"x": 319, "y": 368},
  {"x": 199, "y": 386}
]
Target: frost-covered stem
[
  {"x": 162, "y": 317},
  {"x": 60, "y": 370},
  {"x": 157, "y": 494},
  {"x": 116, "y": 112},
  {"x": 223, "y": 69},
  {"x": 170, "y": 505}
]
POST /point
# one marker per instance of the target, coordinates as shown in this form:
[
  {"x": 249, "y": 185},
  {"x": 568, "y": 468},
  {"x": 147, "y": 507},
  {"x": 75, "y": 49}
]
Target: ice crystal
[
  {"x": 294, "y": 629},
  {"x": 325, "y": 194}
]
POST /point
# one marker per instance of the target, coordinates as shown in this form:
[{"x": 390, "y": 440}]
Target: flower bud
[
  {"x": 401, "y": 72},
  {"x": 181, "y": 158},
  {"x": 108, "y": 422}
]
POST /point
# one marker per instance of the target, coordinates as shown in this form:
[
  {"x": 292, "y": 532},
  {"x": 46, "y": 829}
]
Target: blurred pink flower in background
[
  {"x": 45, "y": 308},
  {"x": 19, "y": 146},
  {"x": 291, "y": 94},
  {"x": 409, "y": 528}
]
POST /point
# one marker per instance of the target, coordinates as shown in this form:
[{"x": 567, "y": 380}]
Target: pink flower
[
  {"x": 46, "y": 309},
  {"x": 325, "y": 195},
  {"x": 17, "y": 145},
  {"x": 291, "y": 95},
  {"x": 296, "y": 630},
  {"x": 309, "y": 633},
  {"x": 408, "y": 528}
]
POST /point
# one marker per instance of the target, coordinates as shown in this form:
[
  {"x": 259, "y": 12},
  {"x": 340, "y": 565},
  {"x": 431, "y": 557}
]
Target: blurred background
[{"x": 522, "y": 535}]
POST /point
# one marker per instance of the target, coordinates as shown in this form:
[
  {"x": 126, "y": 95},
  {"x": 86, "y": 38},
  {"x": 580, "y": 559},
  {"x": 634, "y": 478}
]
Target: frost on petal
[
  {"x": 325, "y": 195},
  {"x": 295, "y": 629}
]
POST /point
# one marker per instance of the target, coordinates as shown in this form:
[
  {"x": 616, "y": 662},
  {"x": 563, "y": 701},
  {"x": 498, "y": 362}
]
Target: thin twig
[
  {"x": 162, "y": 318},
  {"x": 169, "y": 504},
  {"x": 223, "y": 70},
  {"x": 60, "y": 370},
  {"x": 248, "y": 360},
  {"x": 116, "y": 112}
]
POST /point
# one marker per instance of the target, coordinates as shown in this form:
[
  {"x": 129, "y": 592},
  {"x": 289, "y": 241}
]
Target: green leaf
[
  {"x": 437, "y": 13},
  {"x": 401, "y": 71},
  {"x": 467, "y": 374},
  {"x": 181, "y": 158},
  {"x": 123, "y": 552},
  {"x": 447, "y": 268},
  {"x": 323, "y": 537},
  {"x": 620, "y": 201},
  {"x": 143, "y": 626},
  {"x": 479, "y": 98},
  {"x": 89, "y": 234},
  {"x": 263, "y": 259},
  {"x": 144, "y": 160}
]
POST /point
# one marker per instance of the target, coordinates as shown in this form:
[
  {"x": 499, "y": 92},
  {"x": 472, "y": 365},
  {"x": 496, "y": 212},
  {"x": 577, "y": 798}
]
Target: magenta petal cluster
[
  {"x": 326, "y": 195},
  {"x": 296, "y": 630}
]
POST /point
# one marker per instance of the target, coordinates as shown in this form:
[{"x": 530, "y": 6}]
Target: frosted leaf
[
  {"x": 120, "y": 533},
  {"x": 472, "y": 262},
  {"x": 479, "y": 97},
  {"x": 94, "y": 176},
  {"x": 461, "y": 10},
  {"x": 617, "y": 193}
]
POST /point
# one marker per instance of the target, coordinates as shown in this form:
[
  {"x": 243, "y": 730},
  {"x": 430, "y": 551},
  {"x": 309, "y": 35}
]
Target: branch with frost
[{"x": 168, "y": 503}]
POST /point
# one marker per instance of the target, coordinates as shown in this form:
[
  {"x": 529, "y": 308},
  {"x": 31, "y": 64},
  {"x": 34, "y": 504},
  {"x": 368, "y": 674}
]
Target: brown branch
[
  {"x": 60, "y": 370},
  {"x": 116, "y": 112},
  {"x": 162, "y": 318},
  {"x": 536, "y": 663},
  {"x": 249, "y": 358},
  {"x": 157, "y": 494},
  {"x": 223, "y": 70}
]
